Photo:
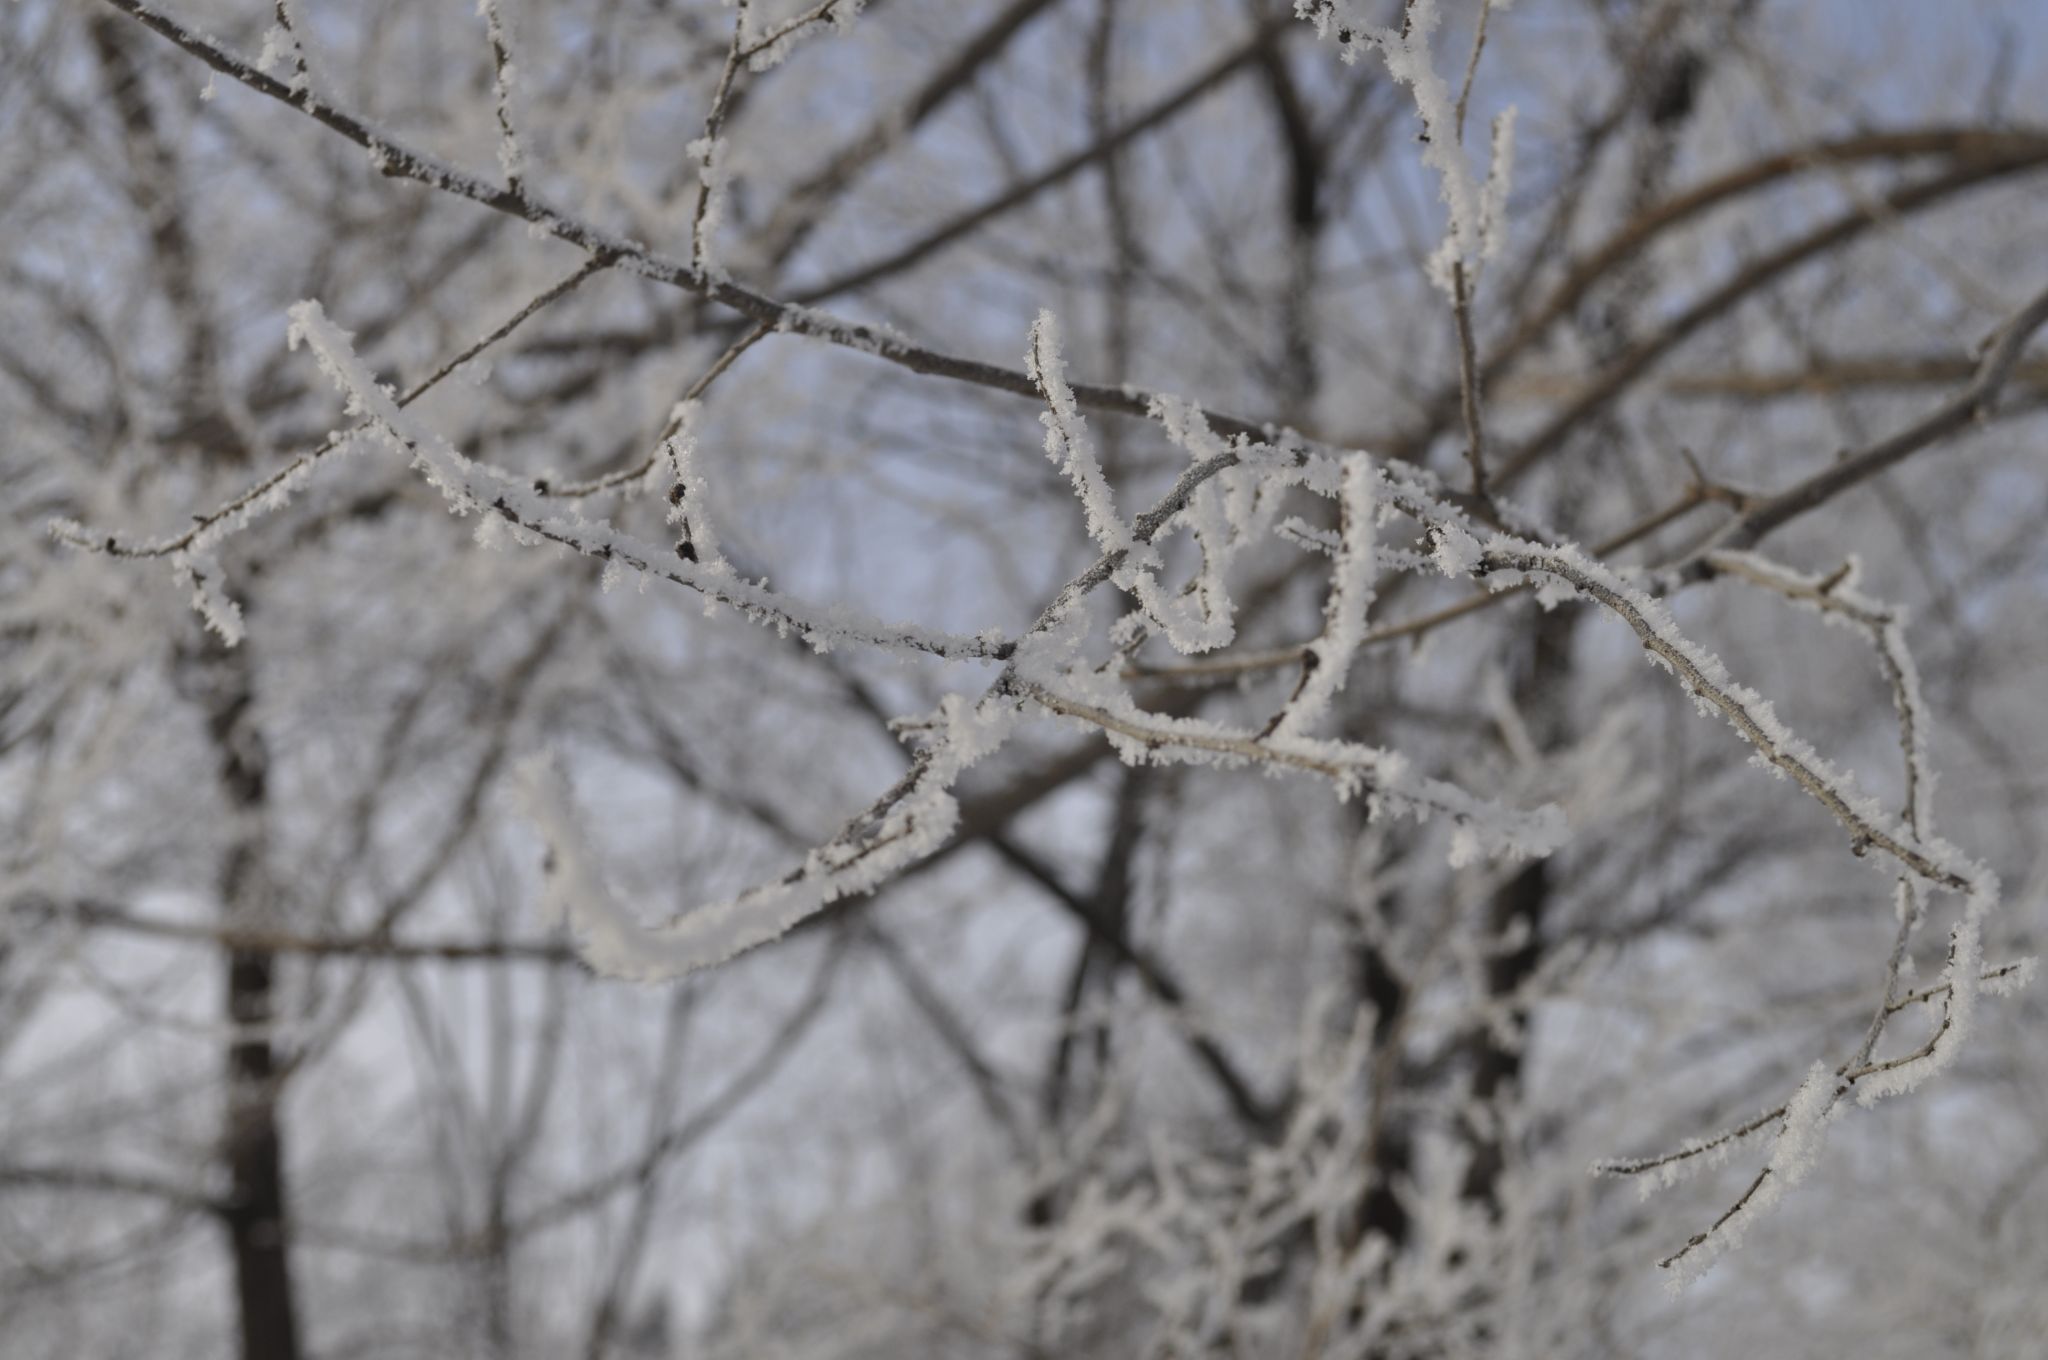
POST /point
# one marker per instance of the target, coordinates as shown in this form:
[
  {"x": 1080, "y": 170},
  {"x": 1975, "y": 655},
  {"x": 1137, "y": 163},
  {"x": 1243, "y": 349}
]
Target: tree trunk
[{"x": 252, "y": 1142}]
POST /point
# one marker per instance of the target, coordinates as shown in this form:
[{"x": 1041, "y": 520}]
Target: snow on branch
[
  {"x": 1047, "y": 667},
  {"x": 1935, "y": 862},
  {"x": 1666, "y": 1169},
  {"x": 194, "y": 553},
  {"x": 504, "y": 76},
  {"x": 764, "y": 51},
  {"x": 1477, "y": 228},
  {"x": 283, "y": 47},
  {"x": 1224, "y": 516},
  {"x": 1793, "y": 1156},
  {"x": 755, "y": 51},
  {"x": 1385, "y": 778},
  {"x": 689, "y": 496},
  {"x": 1505, "y": 561},
  {"x": 1329, "y": 658},
  {"x": 1928, "y": 862},
  {"x": 505, "y": 500},
  {"x": 1067, "y": 441},
  {"x": 1835, "y": 598},
  {"x": 909, "y": 822}
]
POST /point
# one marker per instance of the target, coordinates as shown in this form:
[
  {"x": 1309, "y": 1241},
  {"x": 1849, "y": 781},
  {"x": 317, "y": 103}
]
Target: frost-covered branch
[
  {"x": 1929, "y": 863},
  {"x": 502, "y": 499},
  {"x": 910, "y": 821},
  {"x": 1703, "y": 676},
  {"x": 756, "y": 52},
  {"x": 282, "y": 45},
  {"x": 1329, "y": 657},
  {"x": 630, "y": 477},
  {"x": 1477, "y": 228},
  {"x": 504, "y": 76},
  {"x": 1934, "y": 862},
  {"x": 915, "y": 817},
  {"x": 1067, "y": 441},
  {"x": 1382, "y": 777},
  {"x": 394, "y": 157},
  {"x": 275, "y": 491},
  {"x": 1082, "y": 996}
]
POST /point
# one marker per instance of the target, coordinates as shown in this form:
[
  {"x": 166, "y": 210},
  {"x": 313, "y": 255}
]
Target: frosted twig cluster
[
  {"x": 1193, "y": 1234},
  {"x": 1804, "y": 1119},
  {"x": 1478, "y": 207},
  {"x": 1077, "y": 663}
]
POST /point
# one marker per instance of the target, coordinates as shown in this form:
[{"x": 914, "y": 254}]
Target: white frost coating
[
  {"x": 1226, "y": 512},
  {"x": 1208, "y": 518},
  {"x": 1195, "y": 621},
  {"x": 1386, "y": 778},
  {"x": 1187, "y": 425},
  {"x": 1455, "y": 551},
  {"x": 1500, "y": 174},
  {"x": 614, "y": 942},
  {"x": 1477, "y": 213},
  {"x": 689, "y": 498},
  {"x": 511, "y": 156},
  {"x": 281, "y": 48},
  {"x": 477, "y": 488},
  {"x": 1715, "y": 691},
  {"x": 1925, "y": 858},
  {"x": 1694, "y": 1155},
  {"x": 1837, "y": 600},
  {"x": 840, "y": 14},
  {"x": 1304, "y": 535},
  {"x": 714, "y": 172},
  {"x": 572, "y": 881},
  {"x": 200, "y": 569},
  {"x": 1351, "y": 592},
  {"x": 2012, "y": 979},
  {"x": 1793, "y": 1157},
  {"x": 1807, "y": 1116},
  {"x": 196, "y": 564},
  {"x": 1067, "y": 441},
  {"x": 1964, "y": 979}
]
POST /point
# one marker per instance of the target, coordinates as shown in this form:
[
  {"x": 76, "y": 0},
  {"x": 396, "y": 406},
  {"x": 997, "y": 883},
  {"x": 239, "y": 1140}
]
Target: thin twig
[
  {"x": 1468, "y": 384},
  {"x": 627, "y": 476},
  {"x": 116, "y": 545},
  {"x": 1472, "y": 66}
]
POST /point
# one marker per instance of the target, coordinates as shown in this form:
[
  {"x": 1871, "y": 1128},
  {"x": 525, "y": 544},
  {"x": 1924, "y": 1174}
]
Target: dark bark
[
  {"x": 1518, "y": 912},
  {"x": 1381, "y": 1213},
  {"x": 252, "y": 1139}
]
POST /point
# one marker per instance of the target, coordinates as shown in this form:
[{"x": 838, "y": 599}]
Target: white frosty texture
[
  {"x": 1926, "y": 860},
  {"x": 196, "y": 564},
  {"x": 714, "y": 173},
  {"x": 476, "y": 488},
  {"x": 839, "y": 13},
  {"x": 1067, "y": 441},
  {"x": 1793, "y": 1157},
  {"x": 511, "y": 156},
  {"x": 1387, "y": 779},
  {"x": 1351, "y": 591},
  {"x": 1228, "y": 512},
  {"x": 281, "y": 47},
  {"x": 1477, "y": 227},
  {"x": 615, "y": 942},
  {"x": 689, "y": 494}
]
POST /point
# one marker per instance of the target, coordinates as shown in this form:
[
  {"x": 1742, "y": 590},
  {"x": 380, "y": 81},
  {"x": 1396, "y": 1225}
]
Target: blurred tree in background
[{"x": 588, "y": 923}]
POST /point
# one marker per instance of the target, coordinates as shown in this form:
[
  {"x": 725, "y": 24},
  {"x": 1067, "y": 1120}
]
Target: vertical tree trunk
[
  {"x": 252, "y": 1143},
  {"x": 253, "y": 1147},
  {"x": 1519, "y": 907}
]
